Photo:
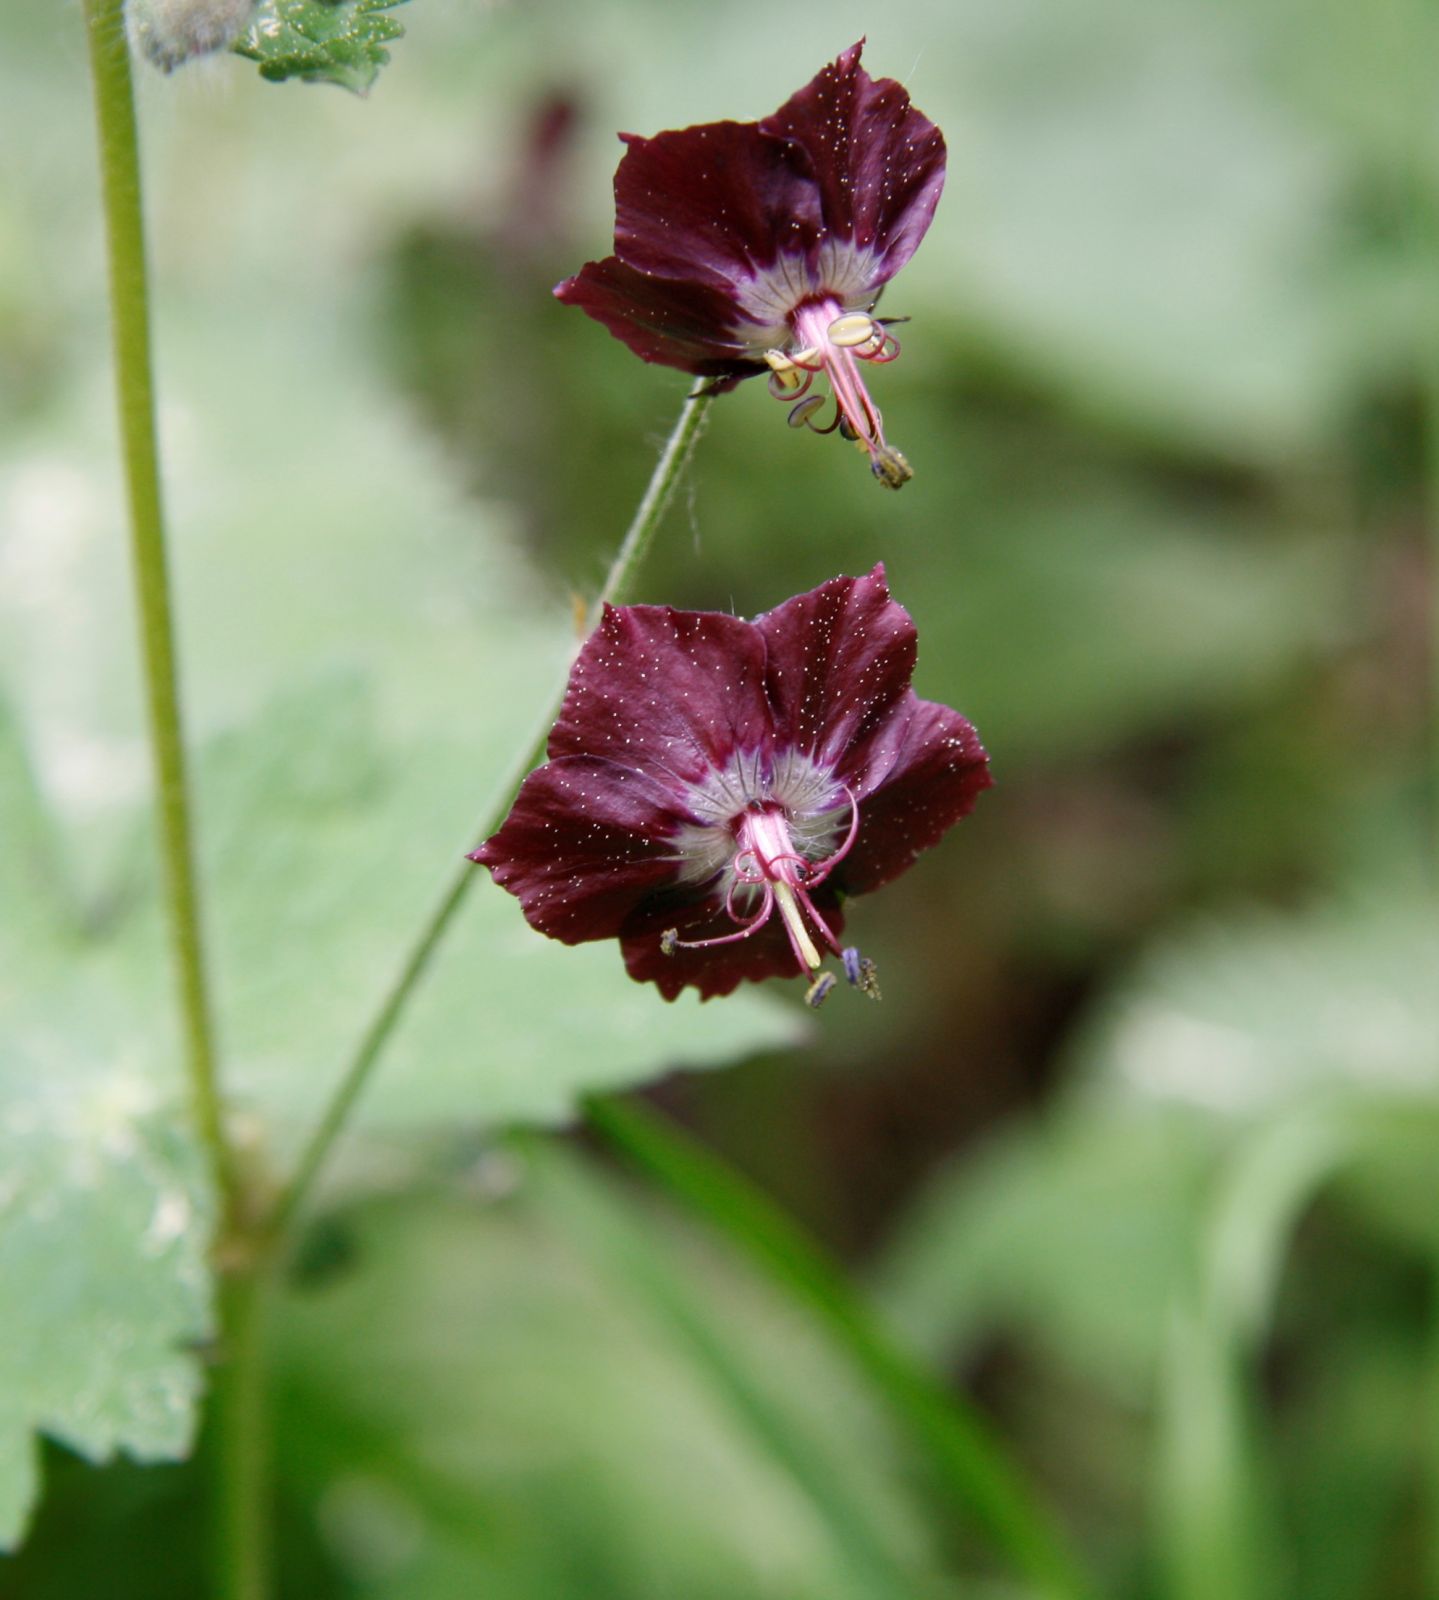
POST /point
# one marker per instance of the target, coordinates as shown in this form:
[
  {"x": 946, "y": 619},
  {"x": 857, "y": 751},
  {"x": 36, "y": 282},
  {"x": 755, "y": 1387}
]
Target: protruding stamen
[
  {"x": 884, "y": 352},
  {"x": 670, "y": 940},
  {"x": 861, "y": 972},
  {"x": 889, "y": 466},
  {"x": 799, "y": 415},
  {"x": 786, "y": 383},
  {"x": 835, "y": 342},
  {"x": 818, "y": 920},
  {"x": 818, "y": 992},
  {"x": 851, "y": 330}
]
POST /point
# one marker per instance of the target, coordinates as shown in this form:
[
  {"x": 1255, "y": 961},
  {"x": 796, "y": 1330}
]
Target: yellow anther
[
  {"x": 778, "y": 361},
  {"x": 785, "y": 380},
  {"x": 800, "y": 414},
  {"x": 854, "y": 328}
]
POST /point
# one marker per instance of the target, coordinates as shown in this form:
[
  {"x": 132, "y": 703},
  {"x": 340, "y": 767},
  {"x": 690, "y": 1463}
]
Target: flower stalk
[{"x": 639, "y": 536}]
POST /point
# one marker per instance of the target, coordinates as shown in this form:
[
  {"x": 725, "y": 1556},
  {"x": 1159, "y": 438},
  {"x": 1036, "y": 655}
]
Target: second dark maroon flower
[
  {"x": 745, "y": 248},
  {"x": 715, "y": 787}
]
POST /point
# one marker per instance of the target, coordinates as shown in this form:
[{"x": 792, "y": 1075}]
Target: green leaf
[
  {"x": 104, "y": 1214},
  {"x": 964, "y": 1456},
  {"x": 322, "y": 41},
  {"x": 522, "y": 1418},
  {"x": 1216, "y": 1501},
  {"x": 1245, "y": 1016},
  {"x": 1075, "y": 1232},
  {"x": 104, "y": 1224}
]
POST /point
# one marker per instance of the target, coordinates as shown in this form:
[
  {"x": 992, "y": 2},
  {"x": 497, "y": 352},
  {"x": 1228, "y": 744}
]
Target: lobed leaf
[{"x": 321, "y": 41}]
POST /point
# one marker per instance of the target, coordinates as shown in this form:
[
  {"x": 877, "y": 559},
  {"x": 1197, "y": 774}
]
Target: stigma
[{"x": 831, "y": 340}]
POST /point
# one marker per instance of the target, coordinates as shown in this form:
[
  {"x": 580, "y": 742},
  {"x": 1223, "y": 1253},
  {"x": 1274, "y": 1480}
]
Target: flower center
[
  {"x": 766, "y": 859},
  {"x": 829, "y": 339}
]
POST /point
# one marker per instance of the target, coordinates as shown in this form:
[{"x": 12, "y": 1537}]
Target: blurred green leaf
[
  {"x": 1075, "y": 1233},
  {"x": 321, "y": 844},
  {"x": 1214, "y": 1510},
  {"x": 520, "y": 1420},
  {"x": 871, "y": 1566},
  {"x": 965, "y": 1458},
  {"x": 1216, "y": 1499},
  {"x": 1242, "y": 1016},
  {"x": 322, "y": 41}
]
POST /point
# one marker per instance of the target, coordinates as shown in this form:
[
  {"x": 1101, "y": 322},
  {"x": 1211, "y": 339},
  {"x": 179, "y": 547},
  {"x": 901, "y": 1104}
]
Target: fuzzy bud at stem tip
[{"x": 169, "y": 33}]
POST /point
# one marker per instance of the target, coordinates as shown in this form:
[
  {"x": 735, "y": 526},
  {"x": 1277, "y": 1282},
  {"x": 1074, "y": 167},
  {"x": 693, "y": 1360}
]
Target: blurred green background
[{"x": 1140, "y": 1147}]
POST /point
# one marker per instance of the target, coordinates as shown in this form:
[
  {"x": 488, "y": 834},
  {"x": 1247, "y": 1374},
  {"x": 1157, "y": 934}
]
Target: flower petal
[
  {"x": 674, "y": 693},
  {"x": 720, "y": 969},
  {"x": 936, "y": 767},
  {"x": 878, "y": 164},
  {"x": 714, "y": 204},
  {"x": 585, "y": 842},
  {"x": 671, "y": 322},
  {"x": 838, "y": 660}
]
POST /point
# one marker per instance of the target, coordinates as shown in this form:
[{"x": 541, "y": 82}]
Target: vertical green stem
[
  {"x": 237, "y": 1417},
  {"x": 239, "y": 1440},
  {"x": 130, "y": 323},
  {"x": 669, "y": 469}
]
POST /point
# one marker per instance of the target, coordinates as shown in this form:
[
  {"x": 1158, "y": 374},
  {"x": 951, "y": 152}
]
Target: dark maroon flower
[
  {"x": 750, "y": 247},
  {"x": 715, "y": 787}
]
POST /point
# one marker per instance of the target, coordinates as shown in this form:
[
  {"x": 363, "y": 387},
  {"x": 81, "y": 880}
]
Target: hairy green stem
[
  {"x": 130, "y": 323},
  {"x": 968, "y": 1465},
  {"x": 237, "y": 1414},
  {"x": 669, "y": 469}
]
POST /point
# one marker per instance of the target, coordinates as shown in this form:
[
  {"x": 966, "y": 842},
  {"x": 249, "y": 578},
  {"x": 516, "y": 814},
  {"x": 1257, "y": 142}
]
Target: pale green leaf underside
[
  {"x": 1252, "y": 1015},
  {"x": 321, "y": 41},
  {"x": 104, "y": 1214},
  {"x": 104, "y": 1219}
]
